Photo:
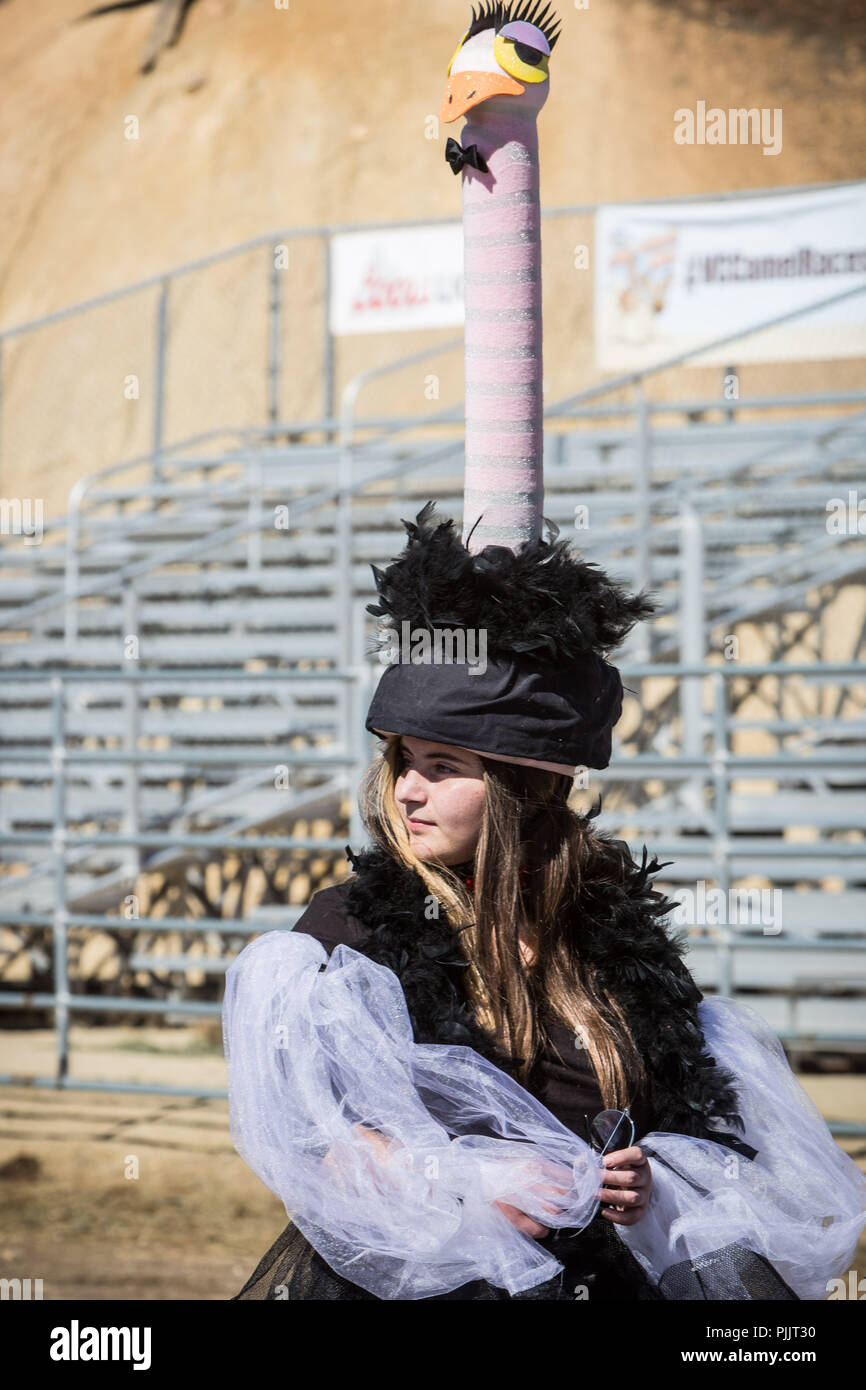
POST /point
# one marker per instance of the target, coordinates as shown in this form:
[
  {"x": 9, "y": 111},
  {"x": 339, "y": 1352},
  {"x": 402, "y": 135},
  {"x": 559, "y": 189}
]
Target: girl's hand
[
  {"x": 554, "y": 1182},
  {"x": 523, "y": 1222},
  {"x": 380, "y": 1145},
  {"x": 627, "y": 1190}
]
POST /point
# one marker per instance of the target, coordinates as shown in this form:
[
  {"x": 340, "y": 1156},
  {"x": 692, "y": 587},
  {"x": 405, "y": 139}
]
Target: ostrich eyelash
[{"x": 496, "y": 16}]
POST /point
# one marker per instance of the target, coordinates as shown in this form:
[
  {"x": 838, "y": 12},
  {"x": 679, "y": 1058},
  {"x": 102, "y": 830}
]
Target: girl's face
[{"x": 440, "y": 793}]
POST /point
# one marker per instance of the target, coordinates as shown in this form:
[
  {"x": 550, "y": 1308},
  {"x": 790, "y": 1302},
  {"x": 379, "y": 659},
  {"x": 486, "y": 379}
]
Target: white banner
[
  {"x": 407, "y": 278},
  {"x": 669, "y": 278}
]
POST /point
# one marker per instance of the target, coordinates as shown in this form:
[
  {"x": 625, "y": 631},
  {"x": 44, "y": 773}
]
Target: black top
[{"x": 563, "y": 1078}]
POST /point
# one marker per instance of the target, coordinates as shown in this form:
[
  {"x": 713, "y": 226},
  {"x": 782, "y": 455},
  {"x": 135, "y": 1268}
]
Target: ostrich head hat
[{"x": 537, "y": 619}]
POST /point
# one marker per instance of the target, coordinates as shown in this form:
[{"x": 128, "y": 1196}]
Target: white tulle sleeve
[
  {"x": 320, "y": 1051},
  {"x": 800, "y": 1203}
]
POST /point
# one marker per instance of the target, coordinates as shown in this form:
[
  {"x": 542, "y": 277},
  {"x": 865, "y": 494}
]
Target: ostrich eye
[
  {"x": 527, "y": 54},
  {"x": 522, "y": 51}
]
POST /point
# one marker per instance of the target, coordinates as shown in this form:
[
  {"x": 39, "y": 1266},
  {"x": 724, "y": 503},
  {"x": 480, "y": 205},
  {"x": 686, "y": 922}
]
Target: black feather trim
[
  {"x": 393, "y": 904},
  {"x": 541, "y": 598},
  {"x": 616, "y": 929}
]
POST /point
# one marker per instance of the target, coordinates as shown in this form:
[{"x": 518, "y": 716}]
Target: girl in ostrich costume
[{"x": 478, "y": 1068}]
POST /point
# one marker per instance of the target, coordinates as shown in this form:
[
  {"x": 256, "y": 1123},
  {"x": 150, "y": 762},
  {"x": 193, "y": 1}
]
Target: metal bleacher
[{"x": 170, "y": 643}]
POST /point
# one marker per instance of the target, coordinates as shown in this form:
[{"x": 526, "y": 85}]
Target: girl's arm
[
  {"x": 320, "y": 1057},
  {"x": 722, "y": 1225},
  {"x": 381, "y": 1145}
]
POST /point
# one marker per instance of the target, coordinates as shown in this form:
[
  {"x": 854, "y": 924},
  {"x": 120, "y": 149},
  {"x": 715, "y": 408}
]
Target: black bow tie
[{"x": 457, "y": 156}]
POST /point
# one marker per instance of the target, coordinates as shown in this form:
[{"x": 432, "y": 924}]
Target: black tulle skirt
[{"x": 596, "y": 1266}]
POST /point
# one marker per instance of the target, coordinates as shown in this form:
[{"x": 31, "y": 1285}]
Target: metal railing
[
  {"x": 164, "y": 452},
  {"x": 356, "y": 469},
  {"x": 354, "y": 477},
  {"x": 163, "y": 286},
  {"x": 713, "y": 768},
  {"x": 252, "y": 468}
]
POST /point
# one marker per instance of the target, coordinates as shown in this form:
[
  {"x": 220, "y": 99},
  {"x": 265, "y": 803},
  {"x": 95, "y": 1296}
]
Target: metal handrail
[
  {"x": 328, "y": 229},
  {"x": 718, "y": 767},
  {"x": 189, "y": 549},
  {"x": 633, "y": 378},
  {"x": 679, "y": 358},
  {"x": 329, "y": 425},
  {"x": 626, "y": 668}
]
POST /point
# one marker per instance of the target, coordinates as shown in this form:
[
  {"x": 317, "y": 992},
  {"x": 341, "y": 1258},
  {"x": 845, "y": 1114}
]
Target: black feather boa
[
  {"x": 541, "y": 599},
  {"x": 619, "y": 931}
]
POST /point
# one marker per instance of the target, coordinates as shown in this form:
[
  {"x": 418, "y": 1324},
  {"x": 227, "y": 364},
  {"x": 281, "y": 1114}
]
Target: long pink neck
[{"x": 504, "y": 478}]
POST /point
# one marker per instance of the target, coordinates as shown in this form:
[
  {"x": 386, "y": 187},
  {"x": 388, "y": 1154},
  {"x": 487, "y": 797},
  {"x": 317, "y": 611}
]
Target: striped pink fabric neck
[{"x": 504, "y": 482}]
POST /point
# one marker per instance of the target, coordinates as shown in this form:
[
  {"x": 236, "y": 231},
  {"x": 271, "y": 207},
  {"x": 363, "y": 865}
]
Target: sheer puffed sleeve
[
  {"x": 321, "y": 1060},
  {"x": 717, "y": 1218}
]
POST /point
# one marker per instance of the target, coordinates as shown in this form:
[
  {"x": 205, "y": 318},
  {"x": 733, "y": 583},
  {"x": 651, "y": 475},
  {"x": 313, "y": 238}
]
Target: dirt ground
[
  {"x": 192, "y": 1224},
  {"x": 195, "y": 1220}
]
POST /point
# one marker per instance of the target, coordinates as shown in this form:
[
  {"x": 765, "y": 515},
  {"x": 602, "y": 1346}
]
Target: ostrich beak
[{"x": 466, "y": 89}]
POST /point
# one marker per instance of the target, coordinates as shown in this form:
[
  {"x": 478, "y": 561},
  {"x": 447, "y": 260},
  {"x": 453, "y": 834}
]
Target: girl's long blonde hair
[{"x": 527, "y": 825}]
